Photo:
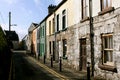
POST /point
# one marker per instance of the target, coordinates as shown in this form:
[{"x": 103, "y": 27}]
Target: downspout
[
  {"x": 40, "y": 43},
  {"x": 55, "y": 37},
  {"x": 45, "y": 42},
  {"x": 91, "y": 37}
]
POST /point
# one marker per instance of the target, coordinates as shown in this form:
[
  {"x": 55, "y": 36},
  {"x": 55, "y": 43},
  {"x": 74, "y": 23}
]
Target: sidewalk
[{"x": 66, "y": 71}]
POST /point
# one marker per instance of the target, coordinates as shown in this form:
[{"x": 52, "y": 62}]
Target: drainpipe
[
  {"x": 91, "y": 37},
  {"x": 45, "y": 43},
  {"x": 55, "y": 36}
]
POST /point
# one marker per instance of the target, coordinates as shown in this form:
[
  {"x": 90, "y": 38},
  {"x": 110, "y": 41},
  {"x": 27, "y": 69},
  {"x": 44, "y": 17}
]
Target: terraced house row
[{"x": 80, "y": 33}]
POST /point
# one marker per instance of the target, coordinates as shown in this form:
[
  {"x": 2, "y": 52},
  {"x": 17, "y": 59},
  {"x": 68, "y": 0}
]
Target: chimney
[{"x": 51, "y": 8}]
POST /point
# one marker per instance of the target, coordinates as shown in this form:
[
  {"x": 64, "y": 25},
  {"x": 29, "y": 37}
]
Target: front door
[
  {"x": 53, "y": 50},
  {"x": 83, "y": 58}
]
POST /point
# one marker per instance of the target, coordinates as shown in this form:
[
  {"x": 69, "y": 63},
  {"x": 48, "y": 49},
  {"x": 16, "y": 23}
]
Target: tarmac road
[{"x": 26, "y": 69}]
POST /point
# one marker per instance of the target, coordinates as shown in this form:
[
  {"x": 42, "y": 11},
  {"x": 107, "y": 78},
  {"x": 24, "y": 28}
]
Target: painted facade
[
  {"x": 31, "y": 37},
  {"x": 34, "y": 42},
  {"x": 43, "y": 39},
  {"x": 38, "y": 41},
  {"x": 50, "y": 30}
]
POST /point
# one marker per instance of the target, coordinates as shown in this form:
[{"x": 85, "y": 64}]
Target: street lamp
[{"x": 10, "y": 22}]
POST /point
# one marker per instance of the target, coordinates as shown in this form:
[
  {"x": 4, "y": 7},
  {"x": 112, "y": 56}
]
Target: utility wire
[{"x": 2, "y": 18}]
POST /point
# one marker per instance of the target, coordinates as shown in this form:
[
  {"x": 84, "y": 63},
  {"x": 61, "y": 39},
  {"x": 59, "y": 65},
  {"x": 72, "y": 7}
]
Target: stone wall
[
  {"x": 73, "y": 34},
  {"x": 108, "y": 23}
]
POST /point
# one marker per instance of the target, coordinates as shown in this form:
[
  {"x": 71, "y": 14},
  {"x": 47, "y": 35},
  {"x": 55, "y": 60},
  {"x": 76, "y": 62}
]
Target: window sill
[
  {"x": 50, "y": 35},
  {"x": 107, "y": 67},
  {"x": 65, "y": 58},
  {"x": 106, "y": 10},
  {"x": 84, "y": 19},
  {"x": 57, "y": 32},
  {"x": 64, "y": 29}
]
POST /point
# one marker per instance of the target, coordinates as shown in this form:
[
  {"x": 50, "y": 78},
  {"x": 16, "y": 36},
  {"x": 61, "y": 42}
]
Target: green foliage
[{"x": 3, "y": 41}]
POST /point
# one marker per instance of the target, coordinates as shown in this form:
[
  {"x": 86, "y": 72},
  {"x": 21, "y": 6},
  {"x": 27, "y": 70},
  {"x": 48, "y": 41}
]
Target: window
[
  {"x": 38, "y": 33},
  {"x": 53, "y": 26},
  {"x": 84, "y": 9},
  {"x": 43, "y": 31},
  {"x": 64, "y": 47},
  {"x": 49, "y": 27},
  {"x": 64, "y": 19},
  {"x": 50, "y": 47},
  {"x": 107, "y": 45},
  {"x": 106, "y": 4},
  {"x": 57, "y": 22}
]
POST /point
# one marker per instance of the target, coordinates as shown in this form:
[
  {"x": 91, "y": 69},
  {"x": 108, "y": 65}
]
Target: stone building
[
  {"x": 106, "y": 44},
  {"x": 68, "y": 36}
]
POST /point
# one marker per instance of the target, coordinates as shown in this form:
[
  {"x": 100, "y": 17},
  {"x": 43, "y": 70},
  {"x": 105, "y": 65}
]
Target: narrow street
[{"x": 26, "y": 69}]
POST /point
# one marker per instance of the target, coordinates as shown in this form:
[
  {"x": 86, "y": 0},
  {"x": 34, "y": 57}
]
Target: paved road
[{"x": 26, "y": 69}]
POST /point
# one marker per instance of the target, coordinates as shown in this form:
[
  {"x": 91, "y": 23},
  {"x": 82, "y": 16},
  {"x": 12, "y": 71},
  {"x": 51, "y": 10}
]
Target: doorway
[
  {"x": 53, "y": 50},
  {"x": 82, "y": 55}
]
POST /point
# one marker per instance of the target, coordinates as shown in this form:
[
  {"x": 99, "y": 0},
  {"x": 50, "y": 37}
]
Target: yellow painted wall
[
  {"x": 68, "y": 6},
  {"x": 50, "y": 18},
  {"x": 73, "y": 9}
]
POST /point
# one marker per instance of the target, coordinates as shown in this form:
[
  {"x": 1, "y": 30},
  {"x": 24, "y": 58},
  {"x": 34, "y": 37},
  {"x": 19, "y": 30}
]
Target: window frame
[
  {"x": 84, "y": 9},
  {"x": 64, "y": 47},
  {"x": 53, "y": 30},
  {"x": 50, "y": 51},
  {"x": 106, "y": 4},
  {"x": 105, "y": 9},
  {"x": 43, "y": 31},
  {"x": 58, "y": 23},
  {"x": 49, "y": 27},
  {"x": 107, "y": 48}
]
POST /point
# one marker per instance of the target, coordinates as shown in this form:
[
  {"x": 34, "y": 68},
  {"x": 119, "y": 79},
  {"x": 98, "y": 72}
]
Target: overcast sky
[{"x": 23, "y": 13}]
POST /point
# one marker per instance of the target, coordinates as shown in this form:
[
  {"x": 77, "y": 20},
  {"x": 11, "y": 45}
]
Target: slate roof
[
  {"x": 35, "y": 24},
  {"x": 32, "y": 27}
]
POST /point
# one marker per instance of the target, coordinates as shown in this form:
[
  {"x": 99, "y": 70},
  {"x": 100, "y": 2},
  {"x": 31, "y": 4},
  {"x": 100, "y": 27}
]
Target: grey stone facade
[
  {"x": 103, "y": 24},
  {"x": 108, "y": 23}
]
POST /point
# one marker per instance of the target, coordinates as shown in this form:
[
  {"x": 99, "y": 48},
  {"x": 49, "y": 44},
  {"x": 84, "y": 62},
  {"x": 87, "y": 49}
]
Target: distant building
[
  {"x": 43, "y": 39},
  {"x": 25, "y": 42},
  {"x": 32, "y": 38},
  {"x": 13, "y": 38},
  {"x": 34, "y": 42}
]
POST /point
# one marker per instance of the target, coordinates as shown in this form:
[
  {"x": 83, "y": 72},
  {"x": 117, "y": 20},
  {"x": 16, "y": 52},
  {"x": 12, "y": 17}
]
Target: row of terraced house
[{"x": 80, "y": 33}]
